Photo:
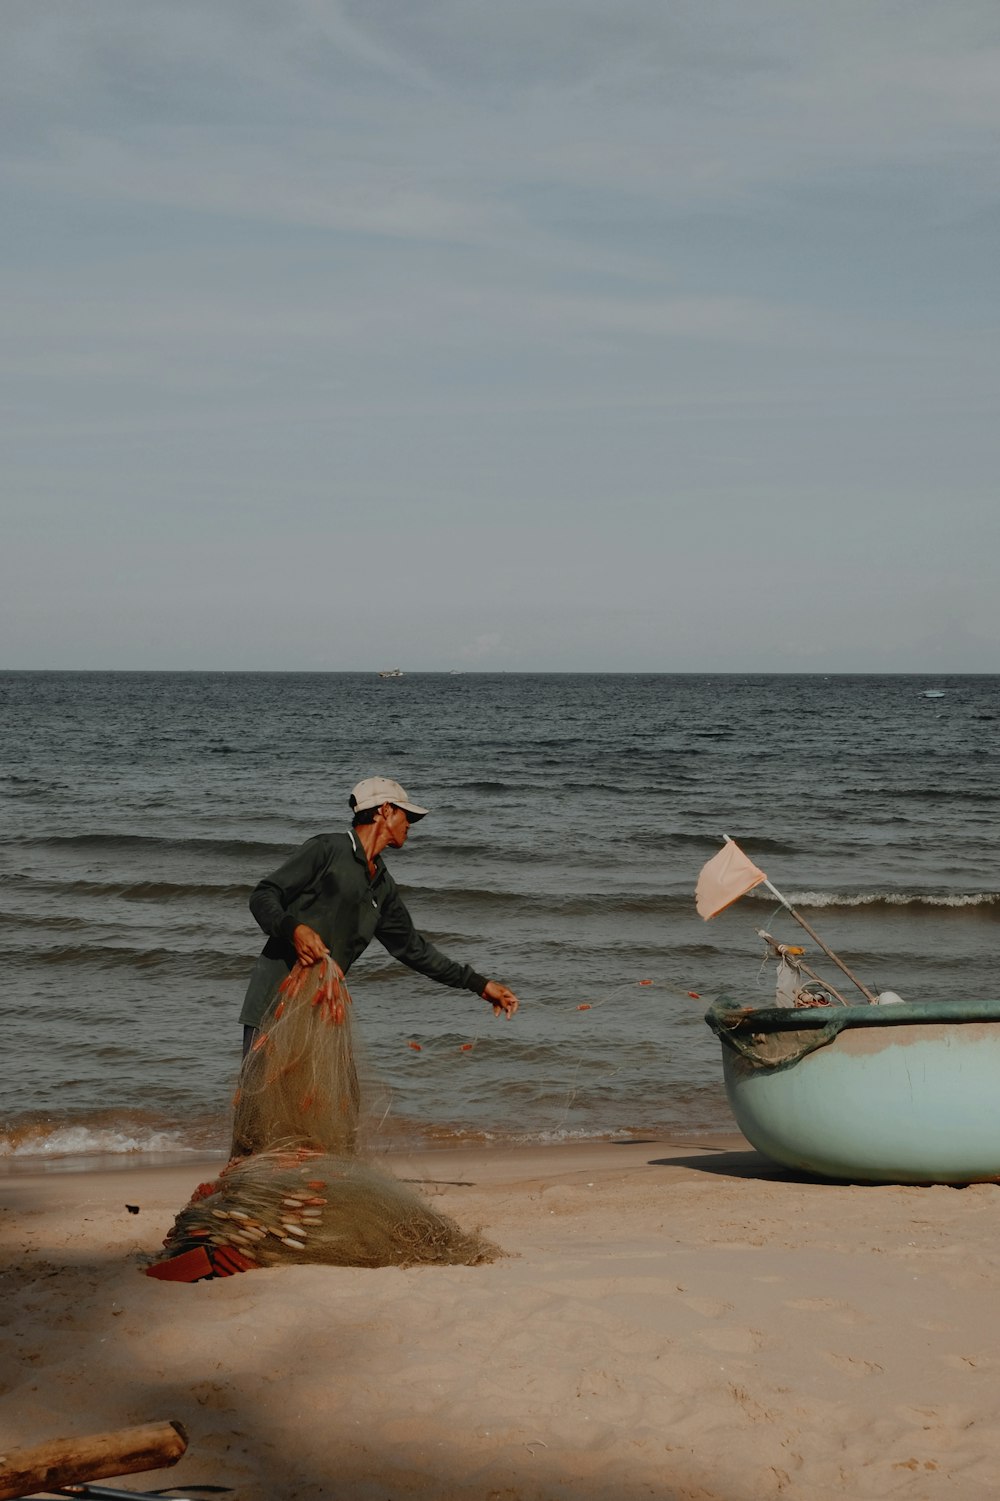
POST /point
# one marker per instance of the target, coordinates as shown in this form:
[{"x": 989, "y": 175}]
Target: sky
[{"x": 549, "y": 335}]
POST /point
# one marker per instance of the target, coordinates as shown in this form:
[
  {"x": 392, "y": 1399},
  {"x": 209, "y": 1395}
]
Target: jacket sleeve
[
  {"x": 271, "y": 897},
  {"x": 396, "y": 932}
]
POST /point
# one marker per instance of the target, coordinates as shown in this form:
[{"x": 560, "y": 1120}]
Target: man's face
[{"x": 397, "y": 825}]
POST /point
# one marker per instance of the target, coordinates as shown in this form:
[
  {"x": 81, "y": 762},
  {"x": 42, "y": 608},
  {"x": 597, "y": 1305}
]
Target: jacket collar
[{"x": 362, "y": 858}]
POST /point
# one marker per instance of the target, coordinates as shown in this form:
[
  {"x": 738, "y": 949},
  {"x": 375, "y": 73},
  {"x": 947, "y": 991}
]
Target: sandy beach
[{"x": 671, "y": 1320}]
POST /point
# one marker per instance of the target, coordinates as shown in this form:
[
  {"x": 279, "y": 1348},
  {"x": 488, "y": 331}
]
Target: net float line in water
[{"x": 296, "y": 1189}]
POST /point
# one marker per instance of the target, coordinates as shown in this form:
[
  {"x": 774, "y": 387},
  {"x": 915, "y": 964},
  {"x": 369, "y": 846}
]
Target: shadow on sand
[{"x": 729, "y": 1164}]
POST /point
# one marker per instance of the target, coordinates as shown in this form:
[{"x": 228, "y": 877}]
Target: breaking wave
[
  {"x": 954, "y": 900},
  {"x": 49, "y": 1142}
]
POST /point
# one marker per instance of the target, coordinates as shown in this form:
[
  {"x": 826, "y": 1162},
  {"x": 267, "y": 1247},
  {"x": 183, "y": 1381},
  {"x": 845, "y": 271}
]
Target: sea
[{"x": 570, "y": 816}]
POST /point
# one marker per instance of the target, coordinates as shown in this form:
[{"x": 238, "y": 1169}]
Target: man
[{"x": 334, "y": 895}]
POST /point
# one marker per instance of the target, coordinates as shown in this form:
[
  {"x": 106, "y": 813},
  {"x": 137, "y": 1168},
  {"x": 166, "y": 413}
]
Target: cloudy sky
[{"x": 653, "y": 335}]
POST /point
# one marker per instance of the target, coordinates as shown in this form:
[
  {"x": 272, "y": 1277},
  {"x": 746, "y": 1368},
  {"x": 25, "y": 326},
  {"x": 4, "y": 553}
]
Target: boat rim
[{"x": 726, "y": 1016}]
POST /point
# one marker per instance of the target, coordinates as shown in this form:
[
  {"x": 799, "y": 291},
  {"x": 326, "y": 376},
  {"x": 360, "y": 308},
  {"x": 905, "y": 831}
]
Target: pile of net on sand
[{"x": 297, "y": 1188}]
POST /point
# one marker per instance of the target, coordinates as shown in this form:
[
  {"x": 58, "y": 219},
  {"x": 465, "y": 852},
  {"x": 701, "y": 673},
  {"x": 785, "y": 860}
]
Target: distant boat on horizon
[
  {"x": 391, "y": 672},
  {"x": 933, "y": 693}
]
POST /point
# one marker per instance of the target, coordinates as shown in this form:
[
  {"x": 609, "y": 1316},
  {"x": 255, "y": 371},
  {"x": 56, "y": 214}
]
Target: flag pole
[{"x": 815, "y": 936}]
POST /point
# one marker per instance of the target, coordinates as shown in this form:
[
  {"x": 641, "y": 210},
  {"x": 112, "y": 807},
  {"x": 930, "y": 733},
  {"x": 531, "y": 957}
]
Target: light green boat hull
[{"x": 894, "y": 1094}]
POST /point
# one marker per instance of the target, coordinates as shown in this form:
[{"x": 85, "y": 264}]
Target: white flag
[{"x": 728, "y": 875}]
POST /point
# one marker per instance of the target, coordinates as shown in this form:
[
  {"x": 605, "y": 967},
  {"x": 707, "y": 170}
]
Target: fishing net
[
  {"x": 299, "y": 1083},
  {"x": 297, "y": 1188},
  {"x": 297, "y": 1205}
]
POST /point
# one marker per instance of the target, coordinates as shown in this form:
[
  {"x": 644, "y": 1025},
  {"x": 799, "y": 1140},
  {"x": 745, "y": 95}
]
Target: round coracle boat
[{"x": 905, "y": 1093}]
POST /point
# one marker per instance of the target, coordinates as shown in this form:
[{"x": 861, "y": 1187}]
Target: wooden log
[{"x": 72, "y": 1461}]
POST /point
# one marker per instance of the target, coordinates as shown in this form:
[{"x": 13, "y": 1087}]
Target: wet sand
[{"x": 672, "y": 1320}]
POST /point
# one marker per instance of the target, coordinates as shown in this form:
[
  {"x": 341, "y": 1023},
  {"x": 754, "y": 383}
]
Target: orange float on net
[
  {"x": 694, "y": 995},
  {"x": 204, "y": 1191},
  {"x": 466, "y": 1047},
  {"x": 584, "y": 1006},
  {"x": 645, "y": 982},
  {"x": 415, "y": 1046}
]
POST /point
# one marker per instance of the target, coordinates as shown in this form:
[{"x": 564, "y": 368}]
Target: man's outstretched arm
[{"x": 396, "y": 931}]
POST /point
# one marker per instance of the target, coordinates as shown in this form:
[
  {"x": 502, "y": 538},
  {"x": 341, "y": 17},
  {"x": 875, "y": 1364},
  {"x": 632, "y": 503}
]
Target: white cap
[{"x": 374, "y": 791}]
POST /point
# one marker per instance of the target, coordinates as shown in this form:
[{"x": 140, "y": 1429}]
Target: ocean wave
[
  {"x": 938, "y": 794},
  {"x": 255, "y": 849},
  {"x": 573, "y": 904},
  {"x": 133, "y": 891},
  {"x": 556, "y": 788},
  {"x": 709, "y": 844},
  {"x": 107, "y": 955},
  {"x": 456, "y": 1135},
  {"x": 955, "y": 900},
  {"x": 200, "y": 963},
  {"x": 51, "y": 1141},
  {"x": 56, "y": 921},
  {"x": 18, "y": 786},
  {"x": 487, "y": 785},
  {"x": 461, "y": 849}
]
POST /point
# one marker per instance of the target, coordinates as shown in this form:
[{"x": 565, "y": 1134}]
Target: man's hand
[
  {"x": 330, "y": 994},
  {"x": 501, "y": 999},
  {"x": 309, "y": 946},
  {"x": 330, "y": 997}
]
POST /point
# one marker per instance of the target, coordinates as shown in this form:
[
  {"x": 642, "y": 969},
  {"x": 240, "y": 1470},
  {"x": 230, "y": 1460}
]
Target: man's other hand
[{"x": 501, "y": 999}]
